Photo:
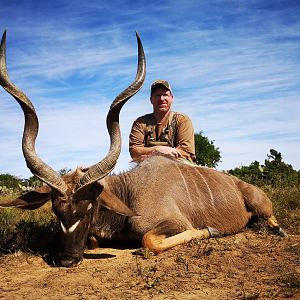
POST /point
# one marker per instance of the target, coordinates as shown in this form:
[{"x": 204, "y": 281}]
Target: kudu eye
[{"x": 81, "y": 210}]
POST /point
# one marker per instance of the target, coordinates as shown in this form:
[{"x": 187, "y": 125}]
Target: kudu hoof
[{"x": 214, "y": 233}]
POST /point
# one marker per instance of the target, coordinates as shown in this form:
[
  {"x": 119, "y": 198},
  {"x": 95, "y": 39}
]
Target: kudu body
[{"x": 162, "y": 202}]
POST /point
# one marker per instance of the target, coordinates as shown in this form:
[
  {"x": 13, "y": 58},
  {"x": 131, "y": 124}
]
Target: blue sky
[{"x": 234, "y": 67}]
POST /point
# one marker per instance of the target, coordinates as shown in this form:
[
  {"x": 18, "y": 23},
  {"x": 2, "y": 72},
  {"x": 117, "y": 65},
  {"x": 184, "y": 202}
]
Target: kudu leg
[
  {"x": 160, "y": 242},
  {"x": 92, "y": 243}
]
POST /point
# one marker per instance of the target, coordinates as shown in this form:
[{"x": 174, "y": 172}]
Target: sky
[{"x": 234, "y": 67}]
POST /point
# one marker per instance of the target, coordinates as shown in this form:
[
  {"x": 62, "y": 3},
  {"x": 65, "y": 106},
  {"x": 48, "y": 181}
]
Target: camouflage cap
[{"x": 164, "y": 83}]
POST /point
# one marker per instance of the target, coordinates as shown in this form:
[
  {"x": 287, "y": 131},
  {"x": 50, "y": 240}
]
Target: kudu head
[{"x": 74, "y": 195}]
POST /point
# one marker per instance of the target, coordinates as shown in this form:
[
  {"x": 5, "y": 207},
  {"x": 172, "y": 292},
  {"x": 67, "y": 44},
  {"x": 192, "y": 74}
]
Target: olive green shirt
[{"x": 177, "y": 133}]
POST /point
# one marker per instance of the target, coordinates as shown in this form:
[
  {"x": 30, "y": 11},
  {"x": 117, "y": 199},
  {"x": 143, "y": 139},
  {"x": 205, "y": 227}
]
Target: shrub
[{"x": 34, "y": 231}]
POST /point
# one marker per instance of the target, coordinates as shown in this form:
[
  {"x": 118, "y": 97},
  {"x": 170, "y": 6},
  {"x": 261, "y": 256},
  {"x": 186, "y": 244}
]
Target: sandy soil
[{"x": 248, "y": 265}]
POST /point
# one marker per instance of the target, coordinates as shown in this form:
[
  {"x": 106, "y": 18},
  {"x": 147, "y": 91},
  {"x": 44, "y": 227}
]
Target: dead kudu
[{"x": 162, "y": 202}]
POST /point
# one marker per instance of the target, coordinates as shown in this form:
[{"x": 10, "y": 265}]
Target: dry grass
[
  {"x": 286, "y": 203},
  {"x": 29, "y": 231}
]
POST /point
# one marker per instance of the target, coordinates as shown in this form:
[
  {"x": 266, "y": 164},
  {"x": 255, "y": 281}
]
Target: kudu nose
[{"x": 69, "y": 260}]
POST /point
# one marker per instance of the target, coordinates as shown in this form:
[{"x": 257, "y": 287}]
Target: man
[{"x": 163, "y": 131}]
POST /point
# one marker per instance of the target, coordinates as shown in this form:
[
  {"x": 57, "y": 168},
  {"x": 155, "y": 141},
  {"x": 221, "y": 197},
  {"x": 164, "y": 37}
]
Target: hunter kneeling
[{"x": 163, "y": 131}]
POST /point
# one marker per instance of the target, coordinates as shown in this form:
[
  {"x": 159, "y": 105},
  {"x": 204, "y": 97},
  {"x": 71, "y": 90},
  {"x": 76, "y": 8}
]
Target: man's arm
[{"x": 185, "y": 138}]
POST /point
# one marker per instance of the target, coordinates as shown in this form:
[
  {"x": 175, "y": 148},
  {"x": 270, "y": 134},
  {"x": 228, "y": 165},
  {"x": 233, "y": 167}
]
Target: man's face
[{"x": 161, "y": 100}]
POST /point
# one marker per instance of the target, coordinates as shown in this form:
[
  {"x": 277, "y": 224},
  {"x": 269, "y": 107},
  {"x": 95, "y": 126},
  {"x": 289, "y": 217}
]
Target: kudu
[{"x": 162, "y": 202}]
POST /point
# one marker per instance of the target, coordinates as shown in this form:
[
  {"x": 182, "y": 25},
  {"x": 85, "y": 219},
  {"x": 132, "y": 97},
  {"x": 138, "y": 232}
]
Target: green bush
[
  {"x": 274, "y": 172},
  {"x": 207, "y": 154},
  {"x": 10, "y": 181}
]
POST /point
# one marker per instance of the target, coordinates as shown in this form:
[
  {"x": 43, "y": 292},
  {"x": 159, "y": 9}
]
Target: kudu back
[{"x": 162, "y": 202}]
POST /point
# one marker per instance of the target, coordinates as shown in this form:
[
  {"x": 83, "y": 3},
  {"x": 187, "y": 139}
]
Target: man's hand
[
  {"x": 141, "y": 153},
  {"x": 168, "y": 151}
]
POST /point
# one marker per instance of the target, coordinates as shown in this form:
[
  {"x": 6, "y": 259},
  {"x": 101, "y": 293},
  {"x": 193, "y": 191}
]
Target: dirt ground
[{"x": 248, "y": 265}]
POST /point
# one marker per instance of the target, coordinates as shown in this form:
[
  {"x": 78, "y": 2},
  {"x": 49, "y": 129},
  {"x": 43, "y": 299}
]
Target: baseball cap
[{"x": 164, "y": 83}]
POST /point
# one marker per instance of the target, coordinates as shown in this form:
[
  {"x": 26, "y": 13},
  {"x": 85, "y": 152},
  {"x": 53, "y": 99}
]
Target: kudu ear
[
  {"x": 110, "y": 201},
  {"x": 31, "y": 200}
]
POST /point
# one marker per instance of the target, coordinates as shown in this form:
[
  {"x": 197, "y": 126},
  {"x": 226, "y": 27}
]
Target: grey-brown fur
[{"x": 161, "y": 189}]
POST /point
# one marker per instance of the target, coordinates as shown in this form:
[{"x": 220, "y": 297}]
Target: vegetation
[
  {"x": 274, "y": 172},
  {"x": 10, "y": 184},
  {"x": 207, "y": 154},
  {"x": 10, "y": 181},
  {"x": 33, "y": 231}
]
